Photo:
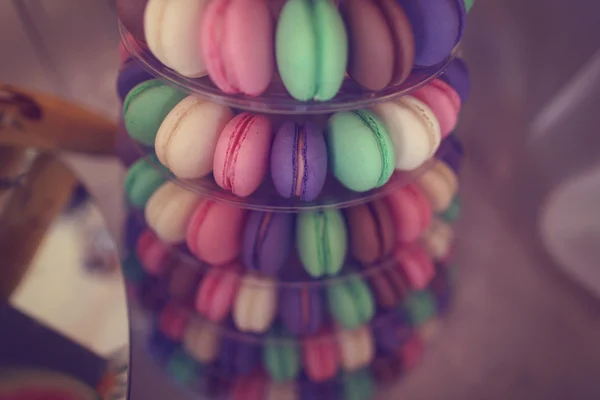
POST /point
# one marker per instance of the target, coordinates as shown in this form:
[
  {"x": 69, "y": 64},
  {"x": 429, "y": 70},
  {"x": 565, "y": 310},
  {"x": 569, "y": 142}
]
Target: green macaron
[
  {"x": 281, "y": 359},
  {"x": 361, "y": 152},
  {"x": 132, "y": 269},
  {"x": 469, "y": 4},
  {"x": 452, "y": 212},
  {"x": 145, "y": 108},
  {"x": 312, "y": 49},
  {"x": 420, "y": 306},
  {"x": 321, "y": 241},
  {"x": 358, "y": 385},
  {"x": 144, "y": 177},
  {"x": 350, "y": 302},
  {"x": 182, "y": 367}
]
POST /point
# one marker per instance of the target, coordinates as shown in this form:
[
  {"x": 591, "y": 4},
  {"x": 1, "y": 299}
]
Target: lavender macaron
[
  {"x": 437, "y": 25},
  {"x": 451, "y": 151},
  {"x": 299, "y": 160},
  {"x": 130, "y": 75},
  {"x": 268, "y": 241},
  {"x": 238, "y": 356},
  {"x": 302, "y": 308},
  {"x": 457, "y": 76}
]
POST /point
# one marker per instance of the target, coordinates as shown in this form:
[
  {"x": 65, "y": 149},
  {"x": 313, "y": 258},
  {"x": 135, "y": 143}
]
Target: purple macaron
[
  {"x": 134, "y": 226},
  {"x": 302, "y": 308},
  {"x": 438, "y": 26},
  {"x": 268, "y": 240},
  {"x": 238, "y": 356},
  {"x": 457, "y": 76},
  {"x": 130, "y": 75},
  {"x": 391, "y": 331},
  {"x": 329, "y": 390},
  {"x": 451, "y": 151},
  {"x": 299, "y": 160}
]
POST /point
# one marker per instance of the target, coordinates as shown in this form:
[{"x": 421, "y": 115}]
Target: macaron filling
[
  {"x": 261, "y": 235},
  {"x": 233, "y": 149},
  {"x": 299, "y": 162},
  {"x": 376, "y": 128}
]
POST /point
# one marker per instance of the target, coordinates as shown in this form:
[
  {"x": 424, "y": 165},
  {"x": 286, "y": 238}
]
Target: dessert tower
[{"x": 293, "y": 189}]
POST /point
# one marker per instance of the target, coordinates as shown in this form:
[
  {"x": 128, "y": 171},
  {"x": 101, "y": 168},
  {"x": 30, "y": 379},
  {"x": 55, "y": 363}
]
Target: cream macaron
[
  {"x": 255, "y": 304},
  {"x": 413, "y": 128},
  {"x": 357, "y": 348},
  {"x": 171, "y": 28},
  {"x": 169, "y": 210},
  {"x": 439, "y": 184},
  {"x": 187, "y": 138},
  {"x": 201, "y": 340},
  {"x": 438, "y": 239}
]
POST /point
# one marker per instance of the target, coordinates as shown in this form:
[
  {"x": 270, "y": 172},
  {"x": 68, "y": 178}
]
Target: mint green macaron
[
  {"x": 321, "y": 241},
  {"x": 182, "y": 367},
  {"x": 143, "y": 178},
  {"x": 350, "y": 302},
  {"x": 452, "y": 212},
  {"x": 361, "y": 152},
  {"x": 469, "y": 4},
  {"x": 420, "y": 306},
  {"x": 312, "y": 49},
  {"x": 358, "y": 385},
  {"x": 145, "y": 108},
  {"x": 281, "y": 359}
]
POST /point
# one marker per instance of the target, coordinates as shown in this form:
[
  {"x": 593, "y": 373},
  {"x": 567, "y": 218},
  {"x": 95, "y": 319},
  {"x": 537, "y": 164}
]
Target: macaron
[
  {"x": 411, "y": 353},
  {"x": 452, "y": 213},
  {"x": 145, "y": 108},
  {"x": 451, "y": 152},
  {"x": 162, "y": 348},
  {"x": 386, "y": 368},
  {"x": 321, "y": 241},
  {"x": 268, "y": 241},
  {"x": 439, "y": 184},
  {"x": 410, "y": 212},
  {"x": 420, "y": 306},
  {"x": 227, "y": 27},
  {"x": 438, "y": 240},
  {"x": 201, "y": 340},
  {"x": 391, "y": 331},
  {"x": 282, "y": 391},
  {"x": 238, "y": 356},
  {"x": 218, "y": 291},
  {"x": 182, "y": 367},
  {"x": 325, "y": 390},
  {"x": 184, "y": 280},
  {"x": 299, "y": 160},
  {"x": 281, "y": 358},
  {"x": 356, "y": 347},
  {"x": 438, "y": 27},
  {"x": 131, "y": 14},
  {"x": 241, "y": 157},
  {"x": 255, "y": 304},
  {"x": 382, "y": 47},
  {"x": 372, "y": 232},
  {"x": 311, "y": 49},
  {"x": 387, "y": 284},
  {"x": 187, "y": 138},
  {"x": 214, "y": 232},
  {"x": 126, "y": 149},
  {"x": 171, "y": 29},
  {"x": 444, "y": 101},
  {"x": 361, "y": 152},
  {"x": 130, "y": 75},
  {"x": 173, "y": 320},
  {"x": 320, "y": 355},
  {"x": 416, "y": 265},
  {"x": 469, "y": 4},
  {"x": 134, "y": 227},
  {"x": 359, "y": 385},
  {"x": 413, "y": 128},
  {"x": 457, "y": 75},
  {"x": 350, "y": 302},
  {"x": 302, "y": 308},
  {"x": 143, "y": 178},
  {"x": 251, "y": 387},
  {"x": 153, "y": 254},
  {"x": 169, "y": 211}
]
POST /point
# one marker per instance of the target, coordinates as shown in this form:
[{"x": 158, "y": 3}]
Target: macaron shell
[
  {"x": 255, "y": 304},
  {"x": 321, "y": 357},
  {"x": 372, "y": 234},
  {"x": 350, "y": 302},
  {"x": 416, "y": 265},
  {"x": 451, "y": 152},
  {"x": 281, "y": 360},
  {"x": 237, "y": 358},
  {"x": 250, "y": 387},
  {"x": 440, "y": 185},
  {"x": 131, "y": 15},
  {"x": 145, "y": 108},
  {"x": 438, "y": 239},
  {"x": 404, "y": 41},
  {"x": 452, "y": 213},
  {"x": 232, "y": 64},
  {"x": 241, "y": 156},
  {"x": 217, "y": 292},
  {"x": 187, "y": 138},
  {"x": 171, "y": 33},
  {"x": 357, "y": 348},
  {"x": 387, "y": 284},
  {"x": 413, "y": 128},
  {"x": 410, "y": 211},
  {"x": 142, "y": 180},
  {"x": 420, "y": 306},
  {"x": 301, "y": 308},
  {"x": 469, "y": 4},
  {"x": 359, "y": 385},
  {"x": 282, "y": 391},
  {"x": 152, "y": 254},
  {"x": 172, "y": 321},
  {"x": 443, "y": 101},
  {"x": 296, "y": 46},
  {"x": 130, "y": 75},
  {"x": 215, "y": 232},
  {"x": 457, "y": 76},
  {"x": 169, "y": 211}
]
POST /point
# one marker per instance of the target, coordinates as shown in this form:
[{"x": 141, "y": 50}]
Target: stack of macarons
[{"x": 310, "y": 47}]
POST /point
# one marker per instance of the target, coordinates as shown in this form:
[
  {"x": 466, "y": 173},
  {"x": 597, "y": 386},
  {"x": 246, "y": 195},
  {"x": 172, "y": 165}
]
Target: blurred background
[{"x": 527, "y": 316}]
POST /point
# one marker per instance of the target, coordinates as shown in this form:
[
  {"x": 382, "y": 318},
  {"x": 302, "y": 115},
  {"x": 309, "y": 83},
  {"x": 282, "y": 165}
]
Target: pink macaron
[
  {"x": 321, "y": 356},
  {"x": 173, "y": 321},
  {"x": 411, "y": 212},
  {"x": 444, "y": 101},
  {"x": 242, "y": 154},
  {"x": 218, "y": 291},
  {"x": 214, "y": 233},
  {"x": 415, "y": 265},
  {"x": 237, "y": 45},
  {"x": 153, "y": 255}
]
